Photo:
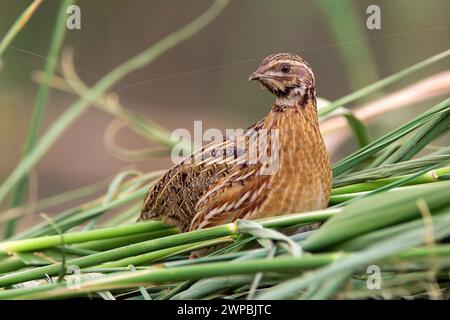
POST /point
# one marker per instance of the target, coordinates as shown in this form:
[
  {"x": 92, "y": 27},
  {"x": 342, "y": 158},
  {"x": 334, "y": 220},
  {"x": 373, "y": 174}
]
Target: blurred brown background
[{"x": 205, "y": 77}]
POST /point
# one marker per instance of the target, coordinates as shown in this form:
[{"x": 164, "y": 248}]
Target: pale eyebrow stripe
[
  {"x": 287, "y": 61},
  {"x": 294, "y": 62}
]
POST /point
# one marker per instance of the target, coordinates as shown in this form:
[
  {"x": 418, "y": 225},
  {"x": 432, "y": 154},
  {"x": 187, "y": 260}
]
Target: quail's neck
[
  {"x": 304, "y": 101},
  {"x": 288, "y": 102},
  {"x": 296, "y": 97}
]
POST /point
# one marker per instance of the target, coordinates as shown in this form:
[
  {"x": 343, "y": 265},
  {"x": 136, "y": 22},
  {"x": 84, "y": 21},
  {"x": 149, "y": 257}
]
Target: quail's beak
[{"x": 255, "y": 76}]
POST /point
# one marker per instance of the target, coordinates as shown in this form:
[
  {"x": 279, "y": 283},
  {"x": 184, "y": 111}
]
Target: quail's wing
[
  {"x": 175, "y": 195},
  {"x": 232, "y": 197}
]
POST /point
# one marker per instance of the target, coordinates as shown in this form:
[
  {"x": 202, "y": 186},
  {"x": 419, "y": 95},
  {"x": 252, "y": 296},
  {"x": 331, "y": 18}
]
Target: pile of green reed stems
[
  {"x": 397, "y": 222},
  {"x": 389, "y": 210}
]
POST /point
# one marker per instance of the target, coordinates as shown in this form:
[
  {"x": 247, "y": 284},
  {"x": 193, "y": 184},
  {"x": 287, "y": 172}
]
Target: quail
[{"x": 277, "y": 166}]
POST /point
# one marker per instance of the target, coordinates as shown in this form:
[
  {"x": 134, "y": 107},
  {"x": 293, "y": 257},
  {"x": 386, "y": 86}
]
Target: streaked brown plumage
[{"x": 222, "y": 182}]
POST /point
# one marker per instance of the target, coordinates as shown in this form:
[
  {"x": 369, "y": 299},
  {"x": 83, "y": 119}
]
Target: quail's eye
[{"x": 285, "y": 68}]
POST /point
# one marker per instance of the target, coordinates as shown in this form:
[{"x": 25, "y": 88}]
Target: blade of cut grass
[
  {"x": 161, "y": 243},
  {"x": 370, "y": 238},
  {"x": 395, "y": 185},
  {"x": 384, "y": 249},
  {"x": 381, "y": 84},
  {"x": 77, "y": 237},
  {"x": 428, "y": 177},
  {"x": 160, "y": 275},
  {"x": 328, "y": 287},
  {"x": 77, "y": 216},
  {"x": 55, "y": 200},
  {"x": 128, "y": 216},
  {"x": 18, "y": 25},
  {"x": 11, "y": 264},
  {"x": 39, "y": 106},
  {"x": 420, "y": 139},
  {"x": 206, "y": 287},
  {"x": 384, "y": 171},
  {"x": 344, "y": 21},
  {"x": 360, "y": 131},
  {"x": 369, "y": 150},
  {"x": 378, "y": 211},
  {"x": 129, "y": 192},
  {"x": 161, "y": 254},
  {"x": 107, "y": 244},
  {"x": 110, "y": 104}
]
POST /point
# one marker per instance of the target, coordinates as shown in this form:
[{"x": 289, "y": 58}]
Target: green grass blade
[
  {"x": 344, "y": 21},
  {"x": 382, "y": 83},
  {"x": 18, "y": 25},
  {"x": 78, "y": 237},
  {"x": 376, "y": 252},
  {"x": 378, "y": 211},
  {"x": 76, "y": 109},
  {"x": 39, "y": 105},
  {"x": 377, "y": 145},
  {"x": 420, "y": 139}
]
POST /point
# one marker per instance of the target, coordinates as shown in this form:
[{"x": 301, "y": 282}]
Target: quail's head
[{"x": 285, "y": 75}]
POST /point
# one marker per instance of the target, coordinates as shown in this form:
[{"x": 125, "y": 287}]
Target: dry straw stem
[
  {"x": 326, "y": 111},
  {"x": 422, "y": 90},
  {"x": 71, "y": 195},
  {"x": 129, "y": 191},
  {"x": 72, "y": 83},
  {"x": 335, "y": 130},
  {"x": 76, "y": 109},
  {"x": 109, "y": 138},
  {"x": 110, "y": 104},
  {"x": 417, "y": 124}
]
